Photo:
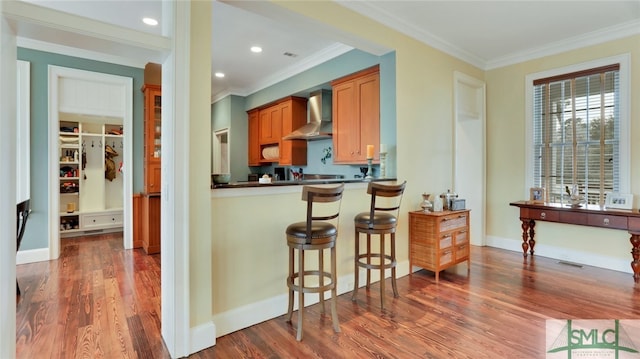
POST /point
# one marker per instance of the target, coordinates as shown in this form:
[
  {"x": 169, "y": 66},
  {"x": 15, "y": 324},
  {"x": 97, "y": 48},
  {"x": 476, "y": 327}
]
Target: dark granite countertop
[{"x": 247, "y": 184}]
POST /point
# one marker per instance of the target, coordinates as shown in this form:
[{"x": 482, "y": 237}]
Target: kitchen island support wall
[{"x": 239, "y": 247}]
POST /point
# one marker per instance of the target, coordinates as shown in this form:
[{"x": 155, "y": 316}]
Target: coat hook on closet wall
[
  {"x": 93, "y": 144},
  {"x": 100, "y": 143}
]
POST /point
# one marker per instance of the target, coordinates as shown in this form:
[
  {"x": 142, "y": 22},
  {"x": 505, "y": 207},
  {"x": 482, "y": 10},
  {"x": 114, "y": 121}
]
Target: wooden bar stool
[
  {"x": 381, "y": 219},
  {"x": 318, "y": 232}
]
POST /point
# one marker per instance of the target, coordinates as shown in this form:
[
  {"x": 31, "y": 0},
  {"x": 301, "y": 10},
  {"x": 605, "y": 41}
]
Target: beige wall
[
  {"x": 250, "y": 259},
  {"x": 505, "y": 147},
  {"x": 199, "y": 159}
]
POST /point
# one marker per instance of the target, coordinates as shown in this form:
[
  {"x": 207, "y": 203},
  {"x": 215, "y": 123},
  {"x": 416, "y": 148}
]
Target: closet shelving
[{"x": 90, "y": 199}]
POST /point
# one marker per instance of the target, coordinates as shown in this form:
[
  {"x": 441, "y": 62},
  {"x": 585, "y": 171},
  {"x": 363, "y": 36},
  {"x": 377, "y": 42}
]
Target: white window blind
[{"x": 576, "y": 133}]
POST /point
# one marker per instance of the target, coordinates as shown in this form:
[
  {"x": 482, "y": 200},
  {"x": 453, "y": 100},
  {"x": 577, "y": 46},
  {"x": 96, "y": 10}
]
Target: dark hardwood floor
[
  {"x": 100, "y": 301},
  {"x": 96, "y": 301}
]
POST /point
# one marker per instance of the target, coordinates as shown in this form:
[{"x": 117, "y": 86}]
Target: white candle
[{"x": 383, "y": 148}]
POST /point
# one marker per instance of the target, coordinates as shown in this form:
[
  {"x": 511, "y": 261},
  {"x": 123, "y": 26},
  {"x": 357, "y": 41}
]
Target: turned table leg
[
  {"x": 532, "y": 233},
  {"x": 525, "y": 236},
  {"x": 635, "y": 253}
]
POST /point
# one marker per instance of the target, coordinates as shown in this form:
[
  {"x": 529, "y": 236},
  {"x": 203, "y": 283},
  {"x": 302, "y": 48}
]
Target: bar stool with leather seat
[
  {"x": 381, "y": 219},
  {"x": 317, "y": 233}
]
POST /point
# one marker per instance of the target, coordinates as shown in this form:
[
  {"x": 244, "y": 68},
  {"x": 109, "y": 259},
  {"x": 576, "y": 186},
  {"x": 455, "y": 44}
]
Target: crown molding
[
  {"x": 589, "y": 39},
  {"x": 314, "y": 60},
  {"x": 371, "y": 10}
]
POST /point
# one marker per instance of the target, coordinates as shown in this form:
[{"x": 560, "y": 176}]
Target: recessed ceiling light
[
  {"x": 219, "y": 74},
  {"x": 256, "y": 49},
  {"x": 150, "y": 21}
]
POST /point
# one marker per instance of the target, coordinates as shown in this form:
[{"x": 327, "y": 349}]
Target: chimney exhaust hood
[{"x": 319, "y": 126}]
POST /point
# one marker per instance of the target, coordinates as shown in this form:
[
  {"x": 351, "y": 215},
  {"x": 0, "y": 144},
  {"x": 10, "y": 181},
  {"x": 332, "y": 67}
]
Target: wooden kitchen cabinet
[
  {"x": 269, "y": 123},
  {"x": 152, "y": 132},
  {"x": 150, "y": 206},
  {"x": 356, "y": 116},
  {"x": 438, "y": 240},
  {"x": 294, "y": 116},
  {"x": 254, "y": 134},
  {"x": 151, "y": 223}
]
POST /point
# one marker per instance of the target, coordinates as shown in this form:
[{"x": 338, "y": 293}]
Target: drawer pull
[
  {"x": 543, "y": 215},
  {"x": 606, "y": 221}
]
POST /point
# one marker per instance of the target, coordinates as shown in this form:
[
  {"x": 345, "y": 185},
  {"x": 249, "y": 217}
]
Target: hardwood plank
[{"x": 99, "y": 300}]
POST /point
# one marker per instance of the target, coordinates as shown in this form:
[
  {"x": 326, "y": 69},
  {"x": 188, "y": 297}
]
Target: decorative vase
[
  {"x": 575, "y": 198},
  {"x": 426, "y": 204}
]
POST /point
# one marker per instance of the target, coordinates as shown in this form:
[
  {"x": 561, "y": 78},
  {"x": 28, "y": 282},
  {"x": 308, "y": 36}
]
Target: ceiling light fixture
[
  {"x": 219, "y": 75},
  {"x": 150, "y": 21},
  {"x": 256, "y": 49}
]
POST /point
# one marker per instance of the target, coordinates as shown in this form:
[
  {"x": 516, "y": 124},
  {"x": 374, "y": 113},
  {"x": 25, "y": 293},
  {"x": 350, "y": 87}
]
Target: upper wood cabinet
[
  {"x": 267, "y": 125},
  {"x": 356, "y": 116},
  {"x": 294, "y": 116},
  {"x": 254, "y": 135},
  {"x": 270, "y": 125},
  {"x": 152, "y": 132}
]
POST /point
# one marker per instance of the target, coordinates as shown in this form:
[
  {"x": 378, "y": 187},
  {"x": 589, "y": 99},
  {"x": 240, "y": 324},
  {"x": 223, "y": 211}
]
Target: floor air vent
[{"x": 571, "y": 264}]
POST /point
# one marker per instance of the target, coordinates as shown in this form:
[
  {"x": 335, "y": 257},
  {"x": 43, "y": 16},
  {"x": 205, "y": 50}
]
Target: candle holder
[
  {"x": 383, "y": 164},
  {"x": 369, "y": 171}
]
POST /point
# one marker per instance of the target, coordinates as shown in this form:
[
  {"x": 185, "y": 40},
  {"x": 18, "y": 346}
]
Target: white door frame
[
  {"x": 175, "y": 314},
  {"x": 469, "y": 149},
  {"x": 8, "y": 101},
  {"x": 56, "y": 73}
]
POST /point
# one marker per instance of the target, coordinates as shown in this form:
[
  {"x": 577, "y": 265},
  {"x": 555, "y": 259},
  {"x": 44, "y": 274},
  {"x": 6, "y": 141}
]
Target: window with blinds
[{"x": 576, "y": 133}]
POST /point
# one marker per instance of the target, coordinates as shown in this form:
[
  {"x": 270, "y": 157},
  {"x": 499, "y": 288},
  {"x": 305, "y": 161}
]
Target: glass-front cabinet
[{"x": 152, "y": 139}]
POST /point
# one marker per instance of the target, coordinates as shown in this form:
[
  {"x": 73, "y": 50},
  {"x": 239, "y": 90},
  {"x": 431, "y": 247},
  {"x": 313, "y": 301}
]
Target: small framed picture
[
  {"x": 536, "y": 195},
  {"x": 618, "y": 200}
]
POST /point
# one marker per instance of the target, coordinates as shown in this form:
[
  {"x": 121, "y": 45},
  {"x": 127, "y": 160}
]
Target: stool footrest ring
[
  {"x": 390, "y": 264},
  {"x": 291, "y": 284}
]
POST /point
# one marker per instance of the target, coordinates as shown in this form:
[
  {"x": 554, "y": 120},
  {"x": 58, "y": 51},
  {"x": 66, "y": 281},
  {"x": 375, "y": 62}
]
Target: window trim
[{"x": 625, "y": 121}]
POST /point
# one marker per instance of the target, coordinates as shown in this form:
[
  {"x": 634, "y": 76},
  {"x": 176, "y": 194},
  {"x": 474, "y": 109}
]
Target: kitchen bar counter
[{"x": 248, "y": 184}]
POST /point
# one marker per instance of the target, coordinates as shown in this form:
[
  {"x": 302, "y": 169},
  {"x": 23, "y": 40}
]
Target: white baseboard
[
  {"x": 564, "y": 254},
  {"x": 258, "y": 312},
  {"x": 202, "y": 337},
  {"x": 32, "y": 255}
]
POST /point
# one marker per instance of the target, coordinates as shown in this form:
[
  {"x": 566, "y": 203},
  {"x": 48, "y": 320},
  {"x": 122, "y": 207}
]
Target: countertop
[{"x": 250, "y": 184}]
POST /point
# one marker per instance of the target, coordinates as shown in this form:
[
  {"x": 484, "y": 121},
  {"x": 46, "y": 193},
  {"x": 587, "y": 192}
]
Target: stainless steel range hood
[{"x": 319, "y": 126}]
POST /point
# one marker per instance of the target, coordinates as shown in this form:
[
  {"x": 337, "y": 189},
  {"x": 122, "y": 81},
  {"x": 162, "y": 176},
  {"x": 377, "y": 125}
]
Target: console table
[{"x": 590, "y": 215}]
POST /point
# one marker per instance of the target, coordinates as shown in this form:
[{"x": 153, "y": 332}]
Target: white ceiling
[{"x": 488, "y": 34}]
